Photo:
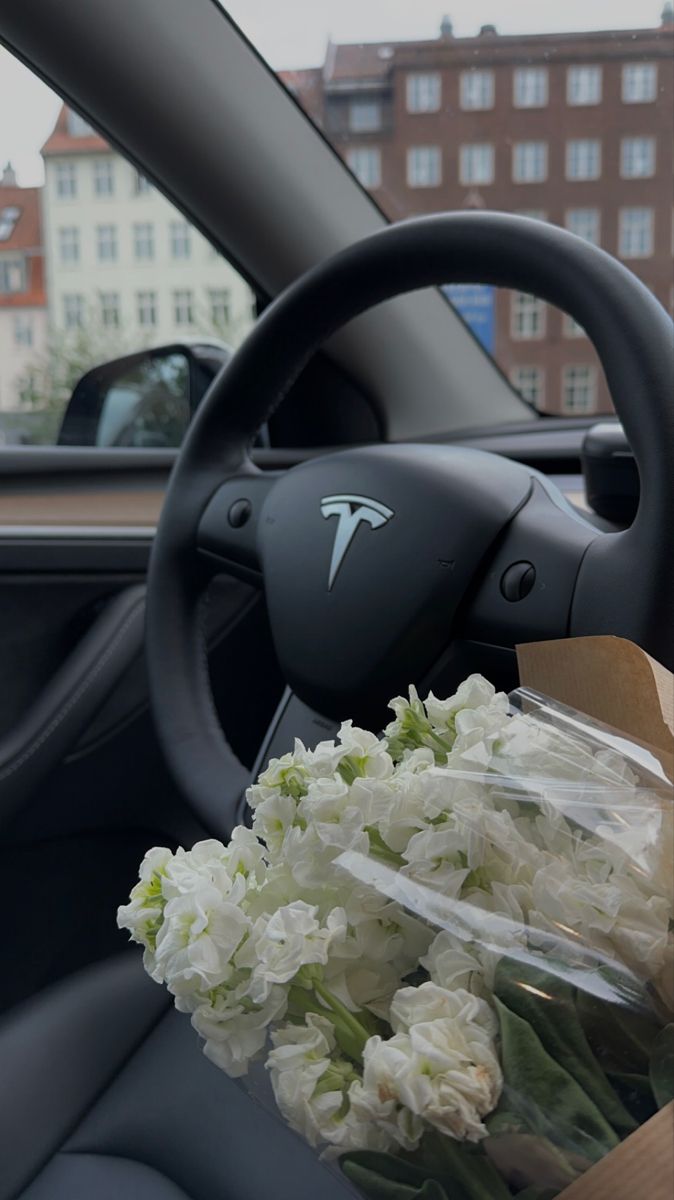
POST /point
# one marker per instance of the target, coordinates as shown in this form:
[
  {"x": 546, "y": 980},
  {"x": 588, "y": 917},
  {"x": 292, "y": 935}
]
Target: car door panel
[{"x": 83, "y": 784}]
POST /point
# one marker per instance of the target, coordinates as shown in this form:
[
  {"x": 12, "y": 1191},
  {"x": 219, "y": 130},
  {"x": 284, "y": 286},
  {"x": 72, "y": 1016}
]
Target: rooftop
[
  {"x": 20, "y": 230},
  {"x": 73, "y": 135}
]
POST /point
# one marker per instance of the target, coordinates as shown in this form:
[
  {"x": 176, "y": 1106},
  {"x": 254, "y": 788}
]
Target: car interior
[{"x": 155, "y": 657}]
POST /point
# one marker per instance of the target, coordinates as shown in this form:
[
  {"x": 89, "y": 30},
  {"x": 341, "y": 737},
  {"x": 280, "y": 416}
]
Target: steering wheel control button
[
  {"x": 518, "y": 580},
  {"x": 239, "y": 513}
]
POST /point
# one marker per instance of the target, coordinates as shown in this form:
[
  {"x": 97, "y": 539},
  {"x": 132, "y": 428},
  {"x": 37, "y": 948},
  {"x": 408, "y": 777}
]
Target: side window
[{"x": 96, "y": 265}]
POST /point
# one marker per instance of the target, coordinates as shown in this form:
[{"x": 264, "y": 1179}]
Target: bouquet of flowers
[{"x": 449, "y": 948}]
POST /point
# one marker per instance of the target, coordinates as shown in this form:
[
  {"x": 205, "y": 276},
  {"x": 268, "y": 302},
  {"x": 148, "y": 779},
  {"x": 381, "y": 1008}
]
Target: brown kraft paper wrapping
[{"x": 615, "y": 681}]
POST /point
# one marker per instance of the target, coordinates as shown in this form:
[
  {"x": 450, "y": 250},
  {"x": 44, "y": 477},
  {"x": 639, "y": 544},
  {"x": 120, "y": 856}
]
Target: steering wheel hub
[{"x": 366, "y": 556}]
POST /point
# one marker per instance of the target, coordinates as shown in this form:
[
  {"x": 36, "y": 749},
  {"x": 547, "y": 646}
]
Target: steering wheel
[{"x": 396, "y": 563}]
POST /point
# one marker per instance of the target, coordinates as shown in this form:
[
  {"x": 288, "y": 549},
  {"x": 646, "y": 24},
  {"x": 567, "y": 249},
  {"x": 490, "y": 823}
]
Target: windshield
[{"x": 557, "y": 111}]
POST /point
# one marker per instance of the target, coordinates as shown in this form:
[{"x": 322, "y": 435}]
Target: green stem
[
  {"x": 440, "y": 740},
  {"x": 350, "y": 1034},
  {"x": 379, "y": 849}
]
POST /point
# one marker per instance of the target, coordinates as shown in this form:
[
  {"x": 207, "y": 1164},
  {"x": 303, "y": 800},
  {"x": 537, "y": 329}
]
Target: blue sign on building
[{"x": 476, "y": 303}]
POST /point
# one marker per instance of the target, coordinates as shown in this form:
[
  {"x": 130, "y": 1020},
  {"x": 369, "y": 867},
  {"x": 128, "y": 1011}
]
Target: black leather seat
[{"x": 104, "y": 1093}]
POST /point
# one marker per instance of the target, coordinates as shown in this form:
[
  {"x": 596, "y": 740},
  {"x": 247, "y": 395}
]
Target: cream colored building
[{"x": 122, "y": 264}]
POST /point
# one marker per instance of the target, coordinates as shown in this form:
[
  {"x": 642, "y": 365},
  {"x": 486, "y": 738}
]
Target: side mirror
[{"x": 144, "y": 400}]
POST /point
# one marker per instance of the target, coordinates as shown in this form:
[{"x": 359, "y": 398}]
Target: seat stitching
[{"x": 76, "y": 695}]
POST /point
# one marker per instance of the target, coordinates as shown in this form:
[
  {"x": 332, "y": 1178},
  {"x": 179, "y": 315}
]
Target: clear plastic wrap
[{"x": 446, "y": 954}]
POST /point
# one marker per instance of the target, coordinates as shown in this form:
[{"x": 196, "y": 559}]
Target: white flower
[
  {"x": 291, "y": 938},
  {"x": 441, "y": 1064},
  {"x": 235, "y": 1029},
  {"x": 144, "y": 913},
  {"x": 197, "y": 941},
  {"x": 286, "y": 775},
  {"x": 405, "y": 815},
  {"x": 321, "y": 1095},
  {"x": 475, "y": 692},
  {"x": 453, "y": 963},
  {"x": 245, "y": 855},
  {"x": 613, "y": 916},
  {"x": 272, "y": 818},
  {"x": 437, "y": 858},
  {"x": 363, "y": 754},
  {"x": 301, "y": 1055},
  {"x": 381, "y": 1122},
  {"x": 207, "y": 863}
]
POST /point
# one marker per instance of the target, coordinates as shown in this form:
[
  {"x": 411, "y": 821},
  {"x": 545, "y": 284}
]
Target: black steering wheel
[{"x": 394, "y": 563}]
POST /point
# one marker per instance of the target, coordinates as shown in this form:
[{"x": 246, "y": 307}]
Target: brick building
[
  {"x": 23, "y": 313},
  {"x": 572, "y": 128}
]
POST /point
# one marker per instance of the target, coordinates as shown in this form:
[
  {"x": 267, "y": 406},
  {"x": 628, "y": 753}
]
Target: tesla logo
[{"x": 350, "y": 512}]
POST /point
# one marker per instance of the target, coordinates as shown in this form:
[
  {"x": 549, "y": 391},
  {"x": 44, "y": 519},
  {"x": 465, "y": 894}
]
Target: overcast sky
[{"x": 294, "y": 33}]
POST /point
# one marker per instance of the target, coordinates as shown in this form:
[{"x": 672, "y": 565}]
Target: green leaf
[
  {"x": 547, "y": 1003},
  {"x": 636, "y": 1094},
  {"x": 503, "y": 1121},
  {"x": 432, "y": 1190},
  {"x": 382, "y": 1187},
  {"x": 536, "y": 1193},
  {"x": 661, "y": 1067},
  {"x": 619, "y": 1037},
  {"x": 463, "y": 1170},
  {"x": 389, "y": 1166},
  {"x": 546, "y": 1095},
  {"x": 529, "y": 1160}
]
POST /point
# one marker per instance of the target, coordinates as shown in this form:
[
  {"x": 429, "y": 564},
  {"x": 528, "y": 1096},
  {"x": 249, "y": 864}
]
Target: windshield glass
[{"x": 557, "y": 111}]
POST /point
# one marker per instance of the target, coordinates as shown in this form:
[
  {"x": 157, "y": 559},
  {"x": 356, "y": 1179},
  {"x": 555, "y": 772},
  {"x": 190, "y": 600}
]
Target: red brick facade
[{"x": 378, "y": 76}]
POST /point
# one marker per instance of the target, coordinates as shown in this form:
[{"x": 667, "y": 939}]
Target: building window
[
  {"x": 476, "y": 164},
  {"x": 9, "y": 216},
  {"x": 183, "y": 307},
  {"x": 146, "y": 305},
  {"x": 423, "y": 92},
  {"x": 527, "y": 317},
  {"x": 23, "y": 330},
  {"x": 104, "y": 177},
  {"x": 583, "y": 159},
  {"x": 640, "y": 83},
  {"x": 77, "y": 126},
  {"x": 66, "y": 181},
  {"x": 579, "y": 389},
  {"x": 179, "y": 236},
  {"x": 585, "y": 223},
  {"x": 364, "y": 116},
  {"x": 73, "y": 312},
  {"x": 477, "y": 90},
  {"x": 365, "y": 162},
  {"x": 637, "y": 157},
  {"x": 11, "y": 276},
  {"x": 424, "y": 166},
  {"x": 583, "y": 85},
  {"x": 69, "y": 244},
  {"x": 141, "y": 185},
  {"x": 571, "y": 328},
  {"x": 110, "y": 309},
  {"x": 530, "y": 87},
  {"x": 220, "y": 306},
  {"x": 530, "y": 383},
  {"x": 106, "y": 243},
  {"x": 143, "y": 241},
  {"x": 635, "y": 238},
  {"x": 530, "y": 162}
]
